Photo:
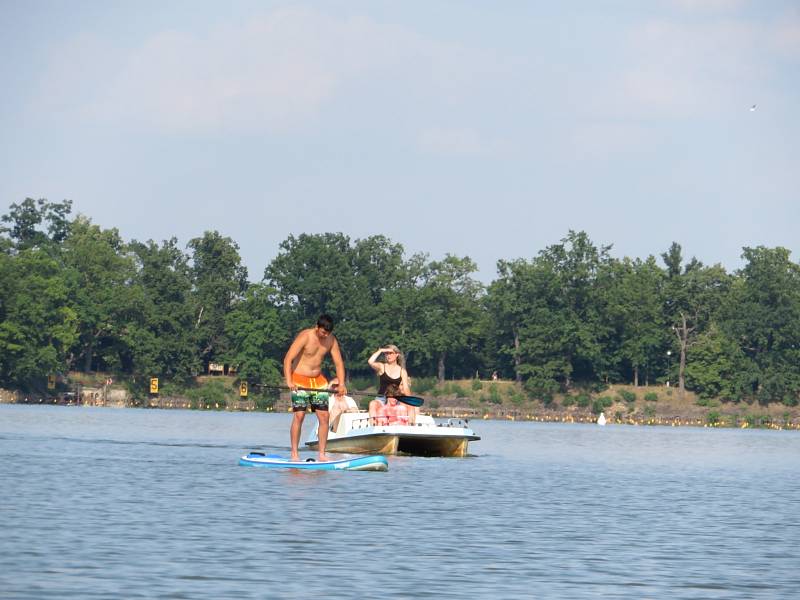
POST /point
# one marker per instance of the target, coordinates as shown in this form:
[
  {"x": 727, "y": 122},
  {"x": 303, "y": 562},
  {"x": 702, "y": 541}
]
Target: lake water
[{"x": 133, "y": 503}]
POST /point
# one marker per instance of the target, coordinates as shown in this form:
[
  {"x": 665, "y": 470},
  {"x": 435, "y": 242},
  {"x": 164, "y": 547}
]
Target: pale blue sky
[{"x": 486, "y": 129}]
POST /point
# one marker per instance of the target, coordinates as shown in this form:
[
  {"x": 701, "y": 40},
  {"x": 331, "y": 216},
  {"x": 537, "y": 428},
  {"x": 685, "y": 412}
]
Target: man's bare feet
[
  {"x": 295, "y": 458},
  {"x": 324, "y": 458}
]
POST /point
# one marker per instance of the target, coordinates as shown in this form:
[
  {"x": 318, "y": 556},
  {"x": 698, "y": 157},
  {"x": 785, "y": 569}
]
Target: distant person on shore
[
  {"x": 338, "y": 405},
  {"x": 302, "y": 368},
  {"x": 494, "y": 375},
  {"x": 393, "y": 381}
]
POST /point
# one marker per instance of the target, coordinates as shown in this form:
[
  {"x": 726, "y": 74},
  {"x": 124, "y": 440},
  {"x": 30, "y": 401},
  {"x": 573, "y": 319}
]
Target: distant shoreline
[{"x": 722, "y": 419}]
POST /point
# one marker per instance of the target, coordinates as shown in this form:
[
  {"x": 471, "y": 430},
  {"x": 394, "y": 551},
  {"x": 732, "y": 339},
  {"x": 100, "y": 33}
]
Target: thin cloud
[
  {"x": 607, "y": 140},
  {"x": 709, "y": 5},
  {"x": 458, "y": 142},
  {"x": 676, "y": 71},
  {"x": 680, "y": 71},
  {"x": 787, "y": 37},
  {"x": 274, "y": 73}
]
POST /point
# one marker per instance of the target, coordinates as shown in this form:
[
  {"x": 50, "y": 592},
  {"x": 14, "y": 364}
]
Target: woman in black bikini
[{"x": 393, "y": 379}]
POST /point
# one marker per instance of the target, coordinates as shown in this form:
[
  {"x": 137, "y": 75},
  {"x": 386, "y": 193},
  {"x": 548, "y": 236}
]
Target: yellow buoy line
[{"x": 723, "y": 421}]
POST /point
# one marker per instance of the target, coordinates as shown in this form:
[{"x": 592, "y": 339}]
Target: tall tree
[
  {"x": 258, "y": 338},
  {"x": 38, "y": 325},
  {"x": 451, "y": 305},
  {"x": 219, "y": 281},
  {"x": 327, "y": 273},
  {"x": 161, "y": 337},
  {"x": 311, "y": 275},
  {"x": 507, "y": 303},
  {"x": 763, "y": 317},
  {"x": 632, "y": 292},
  {"x": 692, "y": 299},
  {"x": 543, "y": 364},
  {"x": 100, "y": 272},
  {"x": 716, "y": 367},
  {"x": 25, "y": 221},
  {"x": 400, "y": 317},
  {"x": 378, "y": 270},
  {"x": 562, "y": 339}
]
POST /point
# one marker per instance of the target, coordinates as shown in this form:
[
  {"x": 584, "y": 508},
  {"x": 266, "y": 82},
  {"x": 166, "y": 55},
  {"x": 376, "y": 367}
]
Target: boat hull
[
  {"x": 426, "y": 439},
  {"x": 365, "y": 444},
  {"x": 451, "y": 447}
]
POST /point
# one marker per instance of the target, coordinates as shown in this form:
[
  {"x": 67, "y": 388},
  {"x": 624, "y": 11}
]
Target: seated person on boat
[
  {"x": 394, "y": 413},
  {"x": 338, "y": 405},
  {"x": 393, "y": 381}
]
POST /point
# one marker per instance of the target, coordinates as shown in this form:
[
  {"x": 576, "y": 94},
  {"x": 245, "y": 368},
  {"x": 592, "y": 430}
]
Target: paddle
[
  {"x": 415, "y": 401},
  {"x": 410, "y": 400}
]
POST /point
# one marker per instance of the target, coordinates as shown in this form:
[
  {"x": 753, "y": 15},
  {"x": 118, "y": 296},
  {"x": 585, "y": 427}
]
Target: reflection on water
[{"x": 100, "y": 503}]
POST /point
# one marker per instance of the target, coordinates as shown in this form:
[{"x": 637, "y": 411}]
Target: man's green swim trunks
[{"x": 302, "y": 399}]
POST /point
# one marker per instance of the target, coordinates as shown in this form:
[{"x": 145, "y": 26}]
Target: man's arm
[
  {"x": 296, "y": 348},
  {"x": 336, "y": 355}
]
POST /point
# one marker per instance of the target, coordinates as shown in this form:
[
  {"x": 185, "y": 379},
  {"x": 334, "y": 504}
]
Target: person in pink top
[{"x": 396, "y": 413}]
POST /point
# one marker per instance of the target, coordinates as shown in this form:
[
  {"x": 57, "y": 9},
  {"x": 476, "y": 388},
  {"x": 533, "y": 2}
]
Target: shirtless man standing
[{"x": 302, "y": 368}]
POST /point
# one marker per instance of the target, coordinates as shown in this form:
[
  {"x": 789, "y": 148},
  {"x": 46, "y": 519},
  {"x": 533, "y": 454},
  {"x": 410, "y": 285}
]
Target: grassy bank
[{"x": 623, "y": 404}]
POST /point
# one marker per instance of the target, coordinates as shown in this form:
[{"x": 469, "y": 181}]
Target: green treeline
[{"x": 74, "y": 296}]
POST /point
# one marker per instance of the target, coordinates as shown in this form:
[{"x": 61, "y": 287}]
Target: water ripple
[{"x": 142, "y": 504}]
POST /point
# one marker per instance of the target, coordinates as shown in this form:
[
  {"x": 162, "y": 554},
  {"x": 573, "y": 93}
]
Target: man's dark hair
[{"x": 326, "y": 322}]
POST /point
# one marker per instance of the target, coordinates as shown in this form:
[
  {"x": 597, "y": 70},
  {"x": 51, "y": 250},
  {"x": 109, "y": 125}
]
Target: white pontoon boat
[{"x": 356, "y": 434}]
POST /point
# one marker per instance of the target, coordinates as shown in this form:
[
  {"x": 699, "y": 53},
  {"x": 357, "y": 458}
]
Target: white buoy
[{"x": 601, "y": 420}]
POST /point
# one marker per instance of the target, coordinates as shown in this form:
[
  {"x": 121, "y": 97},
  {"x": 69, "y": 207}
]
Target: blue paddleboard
[{"x": 273, "y": 461}]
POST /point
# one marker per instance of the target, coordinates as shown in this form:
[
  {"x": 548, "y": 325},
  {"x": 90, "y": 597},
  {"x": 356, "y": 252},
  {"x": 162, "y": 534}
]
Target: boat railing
[
  {"x": 366, "y": 421},
  {"x": 363, "y": 421},
  {"x": 360, "y": 422}
]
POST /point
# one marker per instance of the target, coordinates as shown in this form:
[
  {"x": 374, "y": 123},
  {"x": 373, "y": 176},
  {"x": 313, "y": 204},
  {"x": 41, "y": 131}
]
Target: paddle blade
[{"x": 411, "y": 400}]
